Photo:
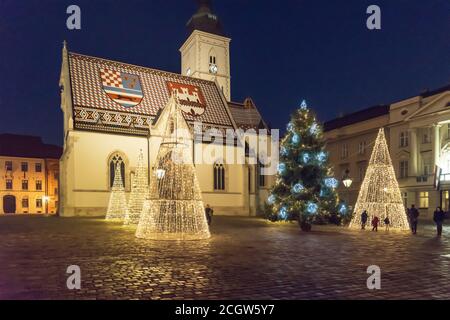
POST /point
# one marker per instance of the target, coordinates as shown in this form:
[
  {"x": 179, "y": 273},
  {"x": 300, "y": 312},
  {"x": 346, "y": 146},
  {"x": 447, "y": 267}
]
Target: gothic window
[
  {"x": 116, "y": 159},
  {"x": 219, "y": 176}
]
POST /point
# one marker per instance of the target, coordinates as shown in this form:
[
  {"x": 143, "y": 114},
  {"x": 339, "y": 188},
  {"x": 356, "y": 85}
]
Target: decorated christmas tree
[
  {"x": 305, "y": 189},
  {"x": 117, "y": 207},
  {"x": 379, "y": 194},
  {"x": 174, "y": 210},
  {"x": 139, "y": 190}
]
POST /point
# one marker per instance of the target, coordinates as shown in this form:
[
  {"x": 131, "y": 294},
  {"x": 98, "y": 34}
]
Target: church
[{"x": 112, "y": 114}]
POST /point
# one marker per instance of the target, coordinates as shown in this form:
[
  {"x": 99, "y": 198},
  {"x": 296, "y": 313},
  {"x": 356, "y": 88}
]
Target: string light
[
  {"x": 314, "y": 129},
  {"x": 342, "y": 209},
  {"x": 283, "y": 213},
  {"x": 379, "y": 194},
  {"x": 290, "y": 126},
  {"x": 311, "y": 207},
  {"x": 117, "y": 206},
  {"x": 139, "y": 189},
  {"x": 321, "y": 156},
  {"x": 305, "y": 157},
  {"x": 281, "y": 168},
  {"x": 174, "y": 210},
  {"x": 297, "y": 188},
  {"x": 303, "y": 105},
  {"x": 295, "y": 139},
  {"x": 331, "y": 183}
]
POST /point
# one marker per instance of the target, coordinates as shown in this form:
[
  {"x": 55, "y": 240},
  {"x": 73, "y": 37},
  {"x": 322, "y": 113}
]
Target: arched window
[
  {"x": 219, "y": 176},
  {"x": 114, "y": 160}
]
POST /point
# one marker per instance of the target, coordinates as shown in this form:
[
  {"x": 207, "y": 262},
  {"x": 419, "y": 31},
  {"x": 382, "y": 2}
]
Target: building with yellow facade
[
  {"x": 29, "y": 175},
  {"x": 418, "y": 134}
]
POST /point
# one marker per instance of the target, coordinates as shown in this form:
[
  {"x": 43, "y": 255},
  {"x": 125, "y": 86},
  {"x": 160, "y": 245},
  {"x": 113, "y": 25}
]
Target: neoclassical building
[
  {"x": 112, "y": 112},
  {"x": 418, "y": 134}
]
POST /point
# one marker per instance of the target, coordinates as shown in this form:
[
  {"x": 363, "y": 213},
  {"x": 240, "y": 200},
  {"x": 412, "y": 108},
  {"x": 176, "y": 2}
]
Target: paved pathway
[{"x": 245, "y": 259}]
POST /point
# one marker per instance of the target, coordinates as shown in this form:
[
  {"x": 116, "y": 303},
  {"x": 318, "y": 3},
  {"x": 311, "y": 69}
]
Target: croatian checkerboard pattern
[{"x": 87, "y": 82}]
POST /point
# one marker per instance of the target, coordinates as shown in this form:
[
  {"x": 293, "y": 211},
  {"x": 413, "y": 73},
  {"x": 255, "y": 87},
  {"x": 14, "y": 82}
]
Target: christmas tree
[
  {"x": 379, "y": 194},
  {"x": 174, "y": 210},
  {"x": 117, "y": 207},
  {"x": 139, "y": 190},
  {"x": 305, "y": 189}
]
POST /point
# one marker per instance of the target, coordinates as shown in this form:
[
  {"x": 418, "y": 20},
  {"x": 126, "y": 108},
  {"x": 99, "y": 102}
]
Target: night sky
[{"x": 281, "y": 52}]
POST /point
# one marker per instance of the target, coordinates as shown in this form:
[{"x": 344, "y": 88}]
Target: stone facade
[{"x": 418, "y": 134}]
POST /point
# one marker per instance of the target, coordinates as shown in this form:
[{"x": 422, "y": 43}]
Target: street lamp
[
  {"x": 46, "y": 199},
  {"x": 347, "y": 181}
]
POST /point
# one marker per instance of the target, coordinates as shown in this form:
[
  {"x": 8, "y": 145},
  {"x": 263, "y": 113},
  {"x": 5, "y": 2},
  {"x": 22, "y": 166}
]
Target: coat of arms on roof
[
  {"x": 191, "y": 97},
  {"x": 123, "y": 88}
]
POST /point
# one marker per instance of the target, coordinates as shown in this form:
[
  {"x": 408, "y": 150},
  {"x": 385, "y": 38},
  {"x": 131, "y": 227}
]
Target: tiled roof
[
  {"x": 90, "y": 98},
  {"x": 22, "y": 146},
  {"x": 356, "y": 117},
  {"x": 246, "y": 115}
]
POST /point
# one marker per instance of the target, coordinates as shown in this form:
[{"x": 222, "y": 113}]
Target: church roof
[
  {"x": 118, "y": 97},
  {"x": 246, "y": 115}
]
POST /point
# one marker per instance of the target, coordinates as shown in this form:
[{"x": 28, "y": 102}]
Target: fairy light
[
  {"x": 379, "y": 194},
  {"x": 117, "y": 206},
  {"x": 138, "y": 193},
  {"x": 297, "y": 188},
  {"x": 174, "y": 209}
]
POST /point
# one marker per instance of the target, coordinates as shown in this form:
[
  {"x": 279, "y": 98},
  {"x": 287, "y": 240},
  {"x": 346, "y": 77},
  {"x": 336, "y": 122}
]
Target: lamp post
[
  {"x": 46, "y": 199},
  {"x": 347, "y": 181}
]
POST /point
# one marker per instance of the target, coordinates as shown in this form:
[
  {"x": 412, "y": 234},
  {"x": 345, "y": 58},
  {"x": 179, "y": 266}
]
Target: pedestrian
[
  {"x": 387, "y": 223},
  {"x": 438, "y": 218},
  {"x": 208, "y": 214},
  {"x": 375, "y": 222},
  {"x": 413, "y": 218},
  {"x": 364, "y": 216}
]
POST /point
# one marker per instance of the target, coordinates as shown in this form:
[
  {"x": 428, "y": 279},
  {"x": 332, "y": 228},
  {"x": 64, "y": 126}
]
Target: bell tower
[{"x": 206, "y": 52}]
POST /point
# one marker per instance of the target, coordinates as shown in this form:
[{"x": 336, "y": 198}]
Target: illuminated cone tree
[
  {"x": 174, "y": 210},
  {"x": 117, "y": 207},
  {"x": 379, "y": 194},
  {"x": 139, "y": 189}
]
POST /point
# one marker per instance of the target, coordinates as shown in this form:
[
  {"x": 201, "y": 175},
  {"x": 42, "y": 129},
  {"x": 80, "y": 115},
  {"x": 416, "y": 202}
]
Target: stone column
[
  {"x": 436, "y": 143},
  {"x": 413, "y": 152}
]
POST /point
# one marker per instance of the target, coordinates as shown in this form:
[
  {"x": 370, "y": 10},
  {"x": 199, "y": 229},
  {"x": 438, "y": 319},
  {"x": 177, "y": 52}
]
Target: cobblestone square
[{"x": 246, "y": 258}]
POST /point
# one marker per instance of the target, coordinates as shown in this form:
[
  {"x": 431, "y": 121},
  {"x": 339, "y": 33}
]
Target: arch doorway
[{"x": 9, "y": 204}]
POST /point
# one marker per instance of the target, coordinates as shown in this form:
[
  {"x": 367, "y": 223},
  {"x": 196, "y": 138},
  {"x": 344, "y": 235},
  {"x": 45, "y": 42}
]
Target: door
[{"x": 9, "y": 204}]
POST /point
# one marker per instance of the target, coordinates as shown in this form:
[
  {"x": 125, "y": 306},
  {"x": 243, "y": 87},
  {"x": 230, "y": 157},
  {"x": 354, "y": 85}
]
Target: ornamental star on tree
[{"x": 305, "y": 189}]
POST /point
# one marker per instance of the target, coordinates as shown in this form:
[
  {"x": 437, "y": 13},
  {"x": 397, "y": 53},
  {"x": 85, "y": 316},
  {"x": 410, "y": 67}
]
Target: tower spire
[{"x": 204, "y": 19}]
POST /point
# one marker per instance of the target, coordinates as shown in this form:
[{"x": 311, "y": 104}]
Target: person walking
[
  {"x": 375, "y": 222},
  {"x": 208, "y": 214},
  {"x": 387, "y": 223},
  {"x": 414, "y": 218},
  {"x": 438, "y": 218},
  {"x": 364, "y": 217}
]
